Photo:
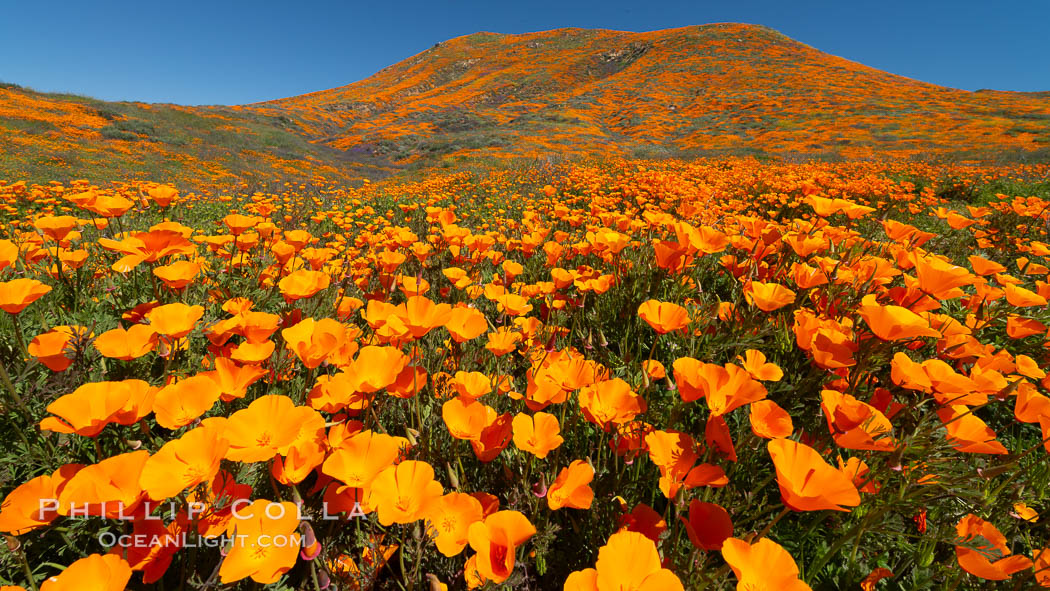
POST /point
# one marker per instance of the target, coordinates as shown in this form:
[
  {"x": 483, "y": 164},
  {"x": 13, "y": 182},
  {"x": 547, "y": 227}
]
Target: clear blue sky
[{"x": 232, "y": 51}]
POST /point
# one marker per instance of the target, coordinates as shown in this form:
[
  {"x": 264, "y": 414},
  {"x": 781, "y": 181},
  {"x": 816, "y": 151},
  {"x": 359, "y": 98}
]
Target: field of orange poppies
[{"x": 648, "y": 375}]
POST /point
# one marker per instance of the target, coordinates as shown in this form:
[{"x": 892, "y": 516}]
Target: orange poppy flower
[
  {"x": 495, "y": 437},
  {"x": 703, "y": 239},
  {"x": 421, "y": 315},
  {"x": 71, "y": 259},
  {"x": 512, "y": 304},
  {"x": 373, "y": 558},
  {"x": 496, "y": 540},
  {"x": 184, "y": 462},
  {"x": 303, "y": 284},
  {"x": 239, "y": 223},
  {"x": 129, "y": 344},
  {"x": 267, "y": 427},
  {"x": 55, "y": 348},
  {"x": 88, "y": 409},
  {"x": 306, "y": 452},
  {"x": 664, "y": 317},
  {"x": 1018, "y": 327},
  {"x": 1029, "y": 368},
  {"x": 466, "y": 418},
  {"x": 654, "y": 369},
  {"x": 754, "y": 362},
  {"x": 334, "y": 393},
  {"x": 345, "y": 306},
  {"x": 232, "y": 379},
  {"x": 503, "y": 341},
  {"x": 154, "y": 557},
  {"x": 675, "y": 454},
  {"x": 981, "y": 540},
  {"x": 401, "y": 493},
  {"x": 1023, "y": 298},
  {"x": 139, "y": 404},
  {"x": 807, "y": 277},
  {"x": 769, "y": 420},
  {"x": 873, "y": 578},
  {"x": 386, "y": 320},
  {"x": 1025, "y": 513},
  {"x": 724, "y": 387},
  {"x": 97, "y": 572},
  {"x": 449, "y": 519},
  {"x": 17, "y": 294},
  {"x": 856, "y": 425},
  {"x": 312, "y": 341},
  {"x": 472, "y": 385},
  {"x": 360, "y": 458},
  {"x": 951, "y": 387},
  {"x": 178, "y": 274},
  {"x": 179, "y": 404},
  {"x": 163, "y": 195},
  {"x": 941, "y": 279},
  {"x": 967, "y": 433},
  {"x": 8, "y": 254},
  {"x": 1030, "y": 405},
  {"x": 147, "y": 247},
  {"x": 56, "y": 227},
  {"x": 642, "y": 519},
  {"x": 1042, "y": 566},
  {"x": 410, "y": 382},
  {"x": 174, "y": 320},
  {"x": 465, "y": 324},
  {"x": 718, "y": 438},
  {"x": 109, "y": 488},
  {"x": 708, "y": 525},
  {"x": 218, "y": 498},
  {"x": 537, "y": 434},
  {"x": 412, "y": 286},
  {"x": 29, "y": 506},
  {"x": 251, "y": 353},
  {"x": 858, "y": 473},
  {"x": 610, "y": 402},
  {"x": 298, "y": 238},
  {"x": 572, "y": 487},
  {"x": 768, "y": 296},
  {"x": 807, "y": 482},
  {"x": 256, "y": 327},
  {"x": 762, "y": 565},
  {"x": 833, "y": 348},
  {"x": 376, "y": 368},
  {"x": 265, "y": 543},
  {"x": 378, "y": 312},
  {"x": 110, "y": 206},
  {"x": 908, "y": 374},
  {"x": 628, "y": 561},
  {"x": 894, "y": 323},
  {"x": 983, "y": 266}
]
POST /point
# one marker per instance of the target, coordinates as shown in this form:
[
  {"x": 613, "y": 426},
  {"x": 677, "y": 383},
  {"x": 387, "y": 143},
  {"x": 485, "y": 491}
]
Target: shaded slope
[{"x": 53, "y": 136}]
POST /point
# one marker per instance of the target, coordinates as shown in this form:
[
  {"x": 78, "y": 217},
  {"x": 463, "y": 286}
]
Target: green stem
[
  {"x": 6, "y": 379},
  {"x": 770, "y": 525},
  {"x": 839, "y": 543},
  {"x": 19, "y": 338},
  {"x": 26, "y": 569}
]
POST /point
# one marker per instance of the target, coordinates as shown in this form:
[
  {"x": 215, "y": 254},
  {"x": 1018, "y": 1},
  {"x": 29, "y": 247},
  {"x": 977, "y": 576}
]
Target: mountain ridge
[
  {"x": 716, "y": 89},
  {"x": 496, "y": 55}
]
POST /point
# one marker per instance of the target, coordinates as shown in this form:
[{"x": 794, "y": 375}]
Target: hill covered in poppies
[{"x": 720, "y": 89}]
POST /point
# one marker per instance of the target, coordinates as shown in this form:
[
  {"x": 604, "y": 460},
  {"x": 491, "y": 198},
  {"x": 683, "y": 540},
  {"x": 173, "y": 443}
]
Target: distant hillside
[
  {"x": 704, "y": 90},
  {"x": 54, "y": 136}
]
